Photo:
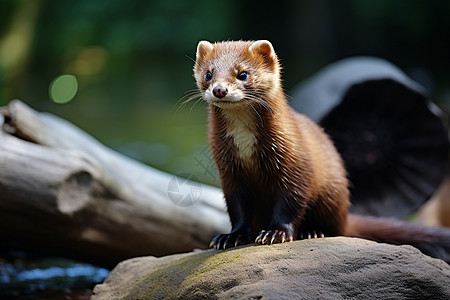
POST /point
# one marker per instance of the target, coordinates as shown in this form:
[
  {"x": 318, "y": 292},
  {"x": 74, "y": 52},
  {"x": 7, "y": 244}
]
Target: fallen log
[
  {"x": 63, "y": 192},
  {"x": 393, "y": 139}
]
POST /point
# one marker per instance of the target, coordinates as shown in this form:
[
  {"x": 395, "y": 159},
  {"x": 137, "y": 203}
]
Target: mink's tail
[{"x": 433, "y": 241}]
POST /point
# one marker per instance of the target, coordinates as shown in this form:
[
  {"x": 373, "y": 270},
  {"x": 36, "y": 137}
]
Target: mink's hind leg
[
  {"x": 318, "y": 222},
  {"x": 313, "y": 234}
]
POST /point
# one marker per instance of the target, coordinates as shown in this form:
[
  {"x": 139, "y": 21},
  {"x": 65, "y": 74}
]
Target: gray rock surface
[{"x": 330, "y": 268}]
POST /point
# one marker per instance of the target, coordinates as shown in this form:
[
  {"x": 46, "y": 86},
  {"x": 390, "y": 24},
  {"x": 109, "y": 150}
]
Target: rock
[{"x": 330, "y": 268}]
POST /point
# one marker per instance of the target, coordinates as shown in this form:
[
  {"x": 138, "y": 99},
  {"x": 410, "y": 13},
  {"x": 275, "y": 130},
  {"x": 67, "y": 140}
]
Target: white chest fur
[{"x": 240, "y": 128}]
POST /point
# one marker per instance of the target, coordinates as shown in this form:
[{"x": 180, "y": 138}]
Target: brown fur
[{"x": 281, "y": 175}]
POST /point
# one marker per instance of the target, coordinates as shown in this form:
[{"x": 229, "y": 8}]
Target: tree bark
[{"x": 63, "y": 192}]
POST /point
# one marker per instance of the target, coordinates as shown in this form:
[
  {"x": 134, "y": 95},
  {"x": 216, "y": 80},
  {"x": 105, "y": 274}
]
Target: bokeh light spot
[{"x": 63, "y": 88}]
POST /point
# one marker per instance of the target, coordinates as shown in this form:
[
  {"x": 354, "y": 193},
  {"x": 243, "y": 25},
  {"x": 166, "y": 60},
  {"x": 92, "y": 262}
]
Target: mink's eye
[
  {"x": 208, "y": 76},
  {"x": 242, "y": 76}
]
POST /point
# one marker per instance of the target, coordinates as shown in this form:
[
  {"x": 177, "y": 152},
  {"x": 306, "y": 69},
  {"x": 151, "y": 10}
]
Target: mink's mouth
[{"x": 226, "y": 103}]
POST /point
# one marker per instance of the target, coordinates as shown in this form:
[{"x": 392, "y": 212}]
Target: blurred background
[{"x": 120, "y": 69}]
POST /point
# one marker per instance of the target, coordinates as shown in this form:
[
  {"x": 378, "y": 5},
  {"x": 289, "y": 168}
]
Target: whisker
[
  {"x": 193, "y": 60},
  {"x": 262, "y": 104},
  {"x": 195, "y": 103},
  {"x": 260, "y": 118},
  {"x": 259, "y": 96},
  {"x": 190, "y": 95}
]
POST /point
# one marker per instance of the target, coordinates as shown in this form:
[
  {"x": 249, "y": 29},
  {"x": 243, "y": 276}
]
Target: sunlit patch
[
  {"x": 87, "y": 61},
  {"x": 63, "y": 88}
]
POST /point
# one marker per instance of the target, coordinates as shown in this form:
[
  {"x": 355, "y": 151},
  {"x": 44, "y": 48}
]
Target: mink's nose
[{"x": 220, "y": 92}]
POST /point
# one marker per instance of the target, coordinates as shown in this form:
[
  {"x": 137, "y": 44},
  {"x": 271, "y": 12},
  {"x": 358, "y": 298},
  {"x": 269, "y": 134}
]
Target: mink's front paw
[
  {"x": 268, "y": 237},
  {"x": 225, "y": 241}
]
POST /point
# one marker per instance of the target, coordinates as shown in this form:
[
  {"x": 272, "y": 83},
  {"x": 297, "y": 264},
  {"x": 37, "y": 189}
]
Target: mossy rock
[{"x": 330, "y": 268}]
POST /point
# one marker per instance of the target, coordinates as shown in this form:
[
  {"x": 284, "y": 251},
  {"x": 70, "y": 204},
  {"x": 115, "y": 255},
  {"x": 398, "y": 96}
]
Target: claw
[
  {"x": 311, "y": 235},
  {"x": 264, "y": 240},
  {"x": 283, "y": 237},
  {"x": 259, "y": 238},
  {"x": 269, "y": 237},
  {"x": 236, "y": 242},
  {"x": 214, "y": 242},
  {"x": 225, "y": 241},
  {"x": 274, "y": 235},
  {"x": 278, "y": 236}
]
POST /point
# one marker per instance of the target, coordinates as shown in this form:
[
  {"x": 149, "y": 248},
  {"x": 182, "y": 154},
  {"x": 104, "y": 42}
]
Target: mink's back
[{"x": 328, "y": 167}]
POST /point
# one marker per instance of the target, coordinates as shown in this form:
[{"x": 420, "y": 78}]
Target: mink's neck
[{"x": 251, "y": 131}]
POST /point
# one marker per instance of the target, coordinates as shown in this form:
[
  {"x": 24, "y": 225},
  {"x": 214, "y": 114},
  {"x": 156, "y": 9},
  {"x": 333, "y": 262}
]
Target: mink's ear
[
  {"x": 203, "y": 48},
  {"x": 265, "y": 49}
]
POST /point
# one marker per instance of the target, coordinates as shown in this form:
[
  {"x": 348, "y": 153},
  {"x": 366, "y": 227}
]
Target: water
[{"x": 53, "y": 278}]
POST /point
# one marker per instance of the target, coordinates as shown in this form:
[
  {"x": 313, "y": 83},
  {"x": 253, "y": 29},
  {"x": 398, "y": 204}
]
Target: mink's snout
[{"x": 220, "y": 92}]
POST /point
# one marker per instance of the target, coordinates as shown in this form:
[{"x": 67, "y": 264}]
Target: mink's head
[{"x": 229, "y": 74}]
